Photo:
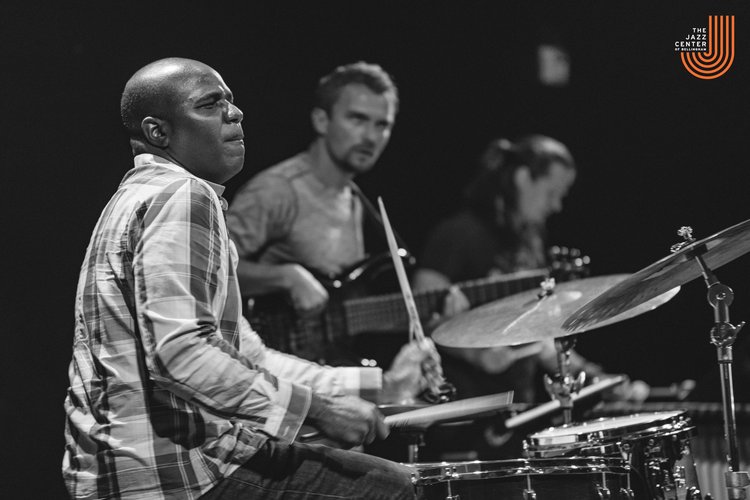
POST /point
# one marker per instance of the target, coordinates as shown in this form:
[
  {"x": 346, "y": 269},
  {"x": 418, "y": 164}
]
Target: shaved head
[
  {"x": 153, "y": 89},
  {"x": 183, "y": 111}
]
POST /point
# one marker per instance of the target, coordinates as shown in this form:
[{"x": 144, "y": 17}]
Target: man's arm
[
  {"x": 308, "y": 296},
  {"x": 264, "y": 211},
  {"x": 325, "y": 380},
  {"x": 335, "y": 410},
  {"x": 180, "y": 265}
]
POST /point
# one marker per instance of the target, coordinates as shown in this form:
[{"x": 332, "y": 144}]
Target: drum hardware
[
  {"x": 563, "y": 385},
  {"x": 689, "y": 259},
  {"x": 529, "y": 493},
  {"x": 656, "y": 446},
  {"x": 550, "y": 406},
  {"x": 538, "y": 316},
  {"x": 707, "y": 445},
  {"x": 541, "y": 479}
]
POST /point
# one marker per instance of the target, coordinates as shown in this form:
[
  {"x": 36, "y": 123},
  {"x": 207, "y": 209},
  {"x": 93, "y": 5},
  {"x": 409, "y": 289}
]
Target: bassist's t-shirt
[{"x": 286, "y": 214}]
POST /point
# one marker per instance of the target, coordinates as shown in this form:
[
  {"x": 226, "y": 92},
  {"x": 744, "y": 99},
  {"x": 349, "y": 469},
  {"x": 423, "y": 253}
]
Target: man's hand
[
  {"x": 498, "y": 359},
  {"x": 348, "y": 420},
  {"x": 308, "y": 296},
  {"x": 494, "y": 360},
  {"x": 635, "y": 391},
  {"x": 415, "y": 368},
  {"x": 455, "y": 302}
]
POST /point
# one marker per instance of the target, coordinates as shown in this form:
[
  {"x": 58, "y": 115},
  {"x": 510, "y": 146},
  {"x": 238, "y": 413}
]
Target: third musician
[{"x": 502, "y": 228}]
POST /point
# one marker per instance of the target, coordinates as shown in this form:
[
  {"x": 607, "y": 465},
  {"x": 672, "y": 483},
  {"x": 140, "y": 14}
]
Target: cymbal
[
  {"x": 524, "y": 317},
  {"x": 665, "y": 274}
]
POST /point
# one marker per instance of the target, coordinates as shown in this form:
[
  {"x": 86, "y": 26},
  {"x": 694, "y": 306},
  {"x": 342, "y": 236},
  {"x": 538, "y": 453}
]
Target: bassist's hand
[
  {"x": 454, "y": 303},
  {"x": 308, "y": 296}
]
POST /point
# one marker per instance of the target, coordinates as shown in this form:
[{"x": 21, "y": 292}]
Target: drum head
[{"x": 604, "y": 429}]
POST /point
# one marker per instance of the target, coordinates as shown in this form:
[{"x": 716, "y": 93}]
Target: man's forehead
[
  {"x": 198, "y": 83},
  {"x": 360, "y": 96}
]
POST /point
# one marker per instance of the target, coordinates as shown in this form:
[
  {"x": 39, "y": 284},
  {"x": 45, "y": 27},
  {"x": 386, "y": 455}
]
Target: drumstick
[
  {"x": 424, "y": 417},
  {"x": 550, "y": 406},
  {"x": 415, "y": 326},
  {"x": 464, "y": 408}
]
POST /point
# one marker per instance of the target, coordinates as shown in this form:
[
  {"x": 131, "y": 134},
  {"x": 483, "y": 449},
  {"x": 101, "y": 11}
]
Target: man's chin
[
  {"x": 237, "y": 167},
  {"x": 234, "y": 167},
  {"x": 358, "y": 167}
]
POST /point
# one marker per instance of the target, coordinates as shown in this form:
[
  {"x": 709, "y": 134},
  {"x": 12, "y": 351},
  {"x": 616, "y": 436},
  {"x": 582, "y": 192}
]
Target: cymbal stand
[
  {"x": 723, "y": 335},
  {"x": 415, "y": 442},
  {"x": 563, "y": 385}
]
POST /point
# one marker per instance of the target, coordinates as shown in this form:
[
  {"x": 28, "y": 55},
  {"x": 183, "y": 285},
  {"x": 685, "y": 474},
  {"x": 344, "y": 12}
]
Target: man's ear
[
  {"x": 319, "y": 119},
  {"x": 155, "y": 130}
]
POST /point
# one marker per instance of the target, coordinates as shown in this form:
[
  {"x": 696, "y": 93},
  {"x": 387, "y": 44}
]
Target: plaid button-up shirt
[{"x": 170, "y": 389}]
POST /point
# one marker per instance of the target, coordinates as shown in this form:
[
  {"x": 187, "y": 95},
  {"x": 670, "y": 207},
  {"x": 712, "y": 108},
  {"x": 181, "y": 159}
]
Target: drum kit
[{"x": 638, "y": 456}]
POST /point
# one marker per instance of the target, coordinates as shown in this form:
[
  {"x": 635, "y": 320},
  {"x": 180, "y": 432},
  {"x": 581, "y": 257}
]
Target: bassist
[{"x": 303, "y": 213}]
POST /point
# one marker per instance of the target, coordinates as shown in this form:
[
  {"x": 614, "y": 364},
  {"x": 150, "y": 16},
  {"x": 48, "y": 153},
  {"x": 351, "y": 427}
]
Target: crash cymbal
[
  {"x": 665, "y": 274},
  {"x": 524, "y": 317}
]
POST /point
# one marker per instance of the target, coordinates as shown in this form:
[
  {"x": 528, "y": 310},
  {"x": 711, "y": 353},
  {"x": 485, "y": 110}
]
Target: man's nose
[
  {"x": 556, "y": 206},
  {"x": 372, "y": 133},
  {"x": 234, "y": 114}
]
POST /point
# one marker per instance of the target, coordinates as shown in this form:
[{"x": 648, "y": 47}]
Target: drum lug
[
  {"x": 529, "y": 494},
  {"x": 680, "y": 476},
  {"x": 627, "y": 494},
  {"x": 602, "y": 492},
  {"x": 450, "y": 495},
  {"x": 694, "y": 493}
]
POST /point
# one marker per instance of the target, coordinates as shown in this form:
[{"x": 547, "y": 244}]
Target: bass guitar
[{"x": 353, "y": 310}]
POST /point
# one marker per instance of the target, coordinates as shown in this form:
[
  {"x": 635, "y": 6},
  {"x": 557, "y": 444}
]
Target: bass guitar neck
[{"x": 387, "y": 313}]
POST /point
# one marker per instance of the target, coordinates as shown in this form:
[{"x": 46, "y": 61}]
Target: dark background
[{"x": 657, "y": 148}]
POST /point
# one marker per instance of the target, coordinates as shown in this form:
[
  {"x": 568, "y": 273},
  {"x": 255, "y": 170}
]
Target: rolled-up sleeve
[{"x": 332, "y": 381}]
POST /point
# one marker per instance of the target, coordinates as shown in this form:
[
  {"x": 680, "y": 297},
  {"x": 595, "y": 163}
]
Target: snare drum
[
  {"x": 523, "y": 479},
  {"x": 656, "y": 445}
]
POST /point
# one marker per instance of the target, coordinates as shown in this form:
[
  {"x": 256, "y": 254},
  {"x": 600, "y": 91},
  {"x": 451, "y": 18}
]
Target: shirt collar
[{"x": 145, "y": 159}]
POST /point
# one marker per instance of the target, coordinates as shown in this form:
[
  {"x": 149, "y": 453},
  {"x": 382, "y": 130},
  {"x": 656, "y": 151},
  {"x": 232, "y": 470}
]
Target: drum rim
[
  {"x": 675, "y": 422},
  {"x": 435, "y": 472}
]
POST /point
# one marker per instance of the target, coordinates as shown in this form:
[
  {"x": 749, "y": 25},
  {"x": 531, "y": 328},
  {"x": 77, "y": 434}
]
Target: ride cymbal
[
  {"x": 665, "y": 274},
  {"x": 525, "y": 317}
]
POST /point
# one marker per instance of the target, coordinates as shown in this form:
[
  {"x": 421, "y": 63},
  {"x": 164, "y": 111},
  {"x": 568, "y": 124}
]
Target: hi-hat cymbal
[
  {"x": 665, "y": 274},
  {"x": 524, "y": 317}
]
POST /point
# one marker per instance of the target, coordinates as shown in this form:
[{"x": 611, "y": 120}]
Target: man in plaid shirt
[{"x": 172, "y": 394}]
